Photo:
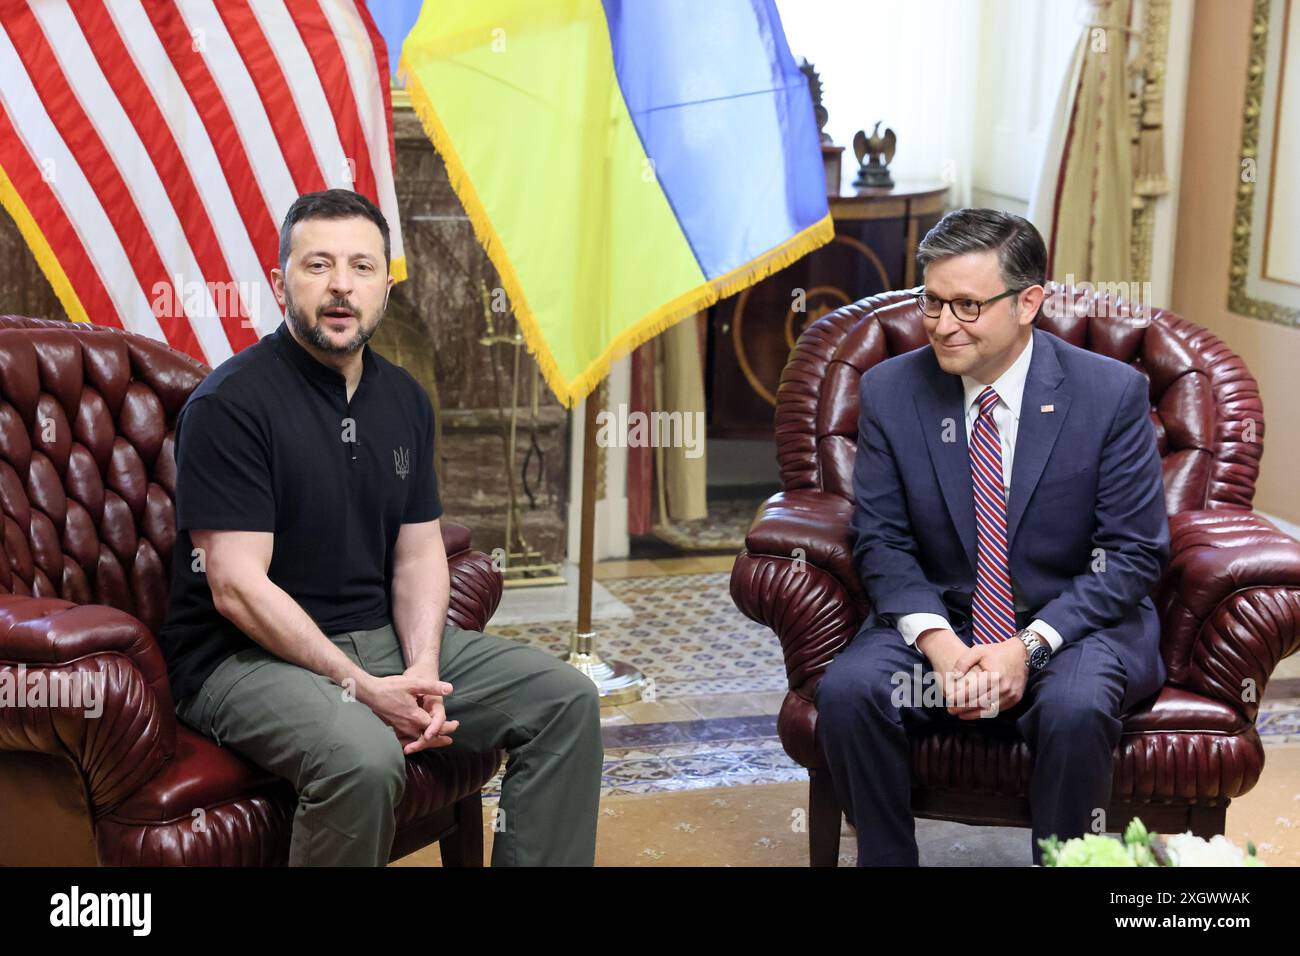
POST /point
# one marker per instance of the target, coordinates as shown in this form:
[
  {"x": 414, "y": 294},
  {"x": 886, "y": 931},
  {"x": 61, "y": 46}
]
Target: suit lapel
[
  {"x": 939, "y": 409},
  {"x": 1038, "y": 429}
]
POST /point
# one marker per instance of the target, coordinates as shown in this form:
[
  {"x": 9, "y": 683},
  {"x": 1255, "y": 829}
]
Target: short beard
[{"x": 315, "y": 336}]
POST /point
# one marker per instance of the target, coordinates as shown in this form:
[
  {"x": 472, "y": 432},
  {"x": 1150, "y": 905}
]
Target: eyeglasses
[{"x": 963, "y": 310}]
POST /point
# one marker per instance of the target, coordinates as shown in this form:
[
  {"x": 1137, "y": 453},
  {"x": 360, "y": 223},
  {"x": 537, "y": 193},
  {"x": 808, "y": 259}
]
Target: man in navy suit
[{"x": 1010, "y": 520}]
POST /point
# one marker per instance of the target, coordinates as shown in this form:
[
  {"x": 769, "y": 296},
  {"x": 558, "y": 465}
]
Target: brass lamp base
[{"x": 617, "y": 682}]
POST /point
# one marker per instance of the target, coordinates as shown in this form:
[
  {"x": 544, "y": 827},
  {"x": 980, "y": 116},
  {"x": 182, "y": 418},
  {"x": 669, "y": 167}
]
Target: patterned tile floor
[
  {"x": 1279, "y": 722},
  {"x": 684, "y": 634},
  {"x": 690, "y": 755},
  {"x": 717, "y": 682}
]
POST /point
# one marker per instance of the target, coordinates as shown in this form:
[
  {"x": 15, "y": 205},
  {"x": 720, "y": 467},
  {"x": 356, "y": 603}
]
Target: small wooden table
[{"x": 752, "y": 334}]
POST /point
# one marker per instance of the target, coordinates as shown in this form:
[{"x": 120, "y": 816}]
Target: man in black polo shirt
[{"x": 306, "y": 628}]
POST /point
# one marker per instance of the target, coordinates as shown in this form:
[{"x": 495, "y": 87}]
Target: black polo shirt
[{"x": 270, "y": 442}]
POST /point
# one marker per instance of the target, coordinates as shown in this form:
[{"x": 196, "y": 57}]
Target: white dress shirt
[{"x": 1010, "y": 387}]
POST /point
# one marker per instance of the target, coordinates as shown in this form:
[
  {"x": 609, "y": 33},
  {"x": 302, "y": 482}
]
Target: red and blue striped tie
[{"x": 993, "y": 606}]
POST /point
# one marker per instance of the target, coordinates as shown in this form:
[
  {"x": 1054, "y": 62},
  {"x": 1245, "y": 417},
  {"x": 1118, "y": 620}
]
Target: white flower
[{"x": 1189, "y": 850}]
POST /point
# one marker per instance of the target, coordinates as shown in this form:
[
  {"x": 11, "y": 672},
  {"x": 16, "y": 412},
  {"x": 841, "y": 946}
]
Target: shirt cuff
[
  {"x": 912, "y": 626},
  {"x": 1053, "y": 638}
]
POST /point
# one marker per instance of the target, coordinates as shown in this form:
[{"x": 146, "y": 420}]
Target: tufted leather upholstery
[
  {"x": 87, "y": 481},
  {"x": 1229, "y": 600}
]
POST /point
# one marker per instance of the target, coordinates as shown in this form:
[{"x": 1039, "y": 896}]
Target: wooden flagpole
[{"x": 619, "y": 683}]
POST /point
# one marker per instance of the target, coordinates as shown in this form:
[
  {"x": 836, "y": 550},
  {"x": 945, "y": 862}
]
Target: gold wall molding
[{"x": 1239, "y": 298}]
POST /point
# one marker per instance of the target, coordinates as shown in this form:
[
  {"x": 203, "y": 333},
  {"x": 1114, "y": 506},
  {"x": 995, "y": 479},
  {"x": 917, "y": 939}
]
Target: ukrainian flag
[{"x": 625, "y": 163}]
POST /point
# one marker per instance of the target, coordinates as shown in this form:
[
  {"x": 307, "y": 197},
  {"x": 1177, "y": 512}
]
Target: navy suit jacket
[{"x": 1087, "y": 531}]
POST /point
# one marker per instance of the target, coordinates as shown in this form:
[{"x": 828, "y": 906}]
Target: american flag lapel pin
[{"x": 1047, "y": 408}]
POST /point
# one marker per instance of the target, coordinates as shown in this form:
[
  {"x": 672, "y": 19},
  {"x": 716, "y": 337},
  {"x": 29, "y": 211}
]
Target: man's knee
[
  {"x": 854, "y": 691},
  {"x": 576, "y": 694},
  {"x": 1072, "y": 721},
  {"x": 562, "y": 697}
]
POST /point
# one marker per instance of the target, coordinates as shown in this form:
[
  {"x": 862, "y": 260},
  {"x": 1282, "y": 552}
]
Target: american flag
[{"x": 149, "y": 150}]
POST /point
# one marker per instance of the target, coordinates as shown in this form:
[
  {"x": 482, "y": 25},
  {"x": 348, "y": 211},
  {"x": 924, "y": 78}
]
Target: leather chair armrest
[
  {"x": 1229, "y": 604},
  {"x": 105, "y": 702},
  {"x": 796, "y": 576},
  {"x": 813, "y": 526},
  {"x": 475, "y": 584}
]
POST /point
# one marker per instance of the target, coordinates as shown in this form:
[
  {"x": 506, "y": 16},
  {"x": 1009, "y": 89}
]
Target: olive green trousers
[{"x": 348, "y": 767}]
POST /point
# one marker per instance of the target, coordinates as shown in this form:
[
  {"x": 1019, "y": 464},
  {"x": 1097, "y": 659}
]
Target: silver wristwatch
[{"x": 1039, "y": 652}]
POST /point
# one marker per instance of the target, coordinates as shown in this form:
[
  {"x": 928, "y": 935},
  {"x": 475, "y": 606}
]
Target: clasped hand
[
  {"x": 412, "y": 704},
  {"x": 984, "y": 679}
]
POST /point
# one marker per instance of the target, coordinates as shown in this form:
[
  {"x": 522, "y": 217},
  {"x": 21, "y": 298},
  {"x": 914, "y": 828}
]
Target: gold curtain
[
  {"x": 1083, "y": 204},
  {"x": 679, "y": 387}
]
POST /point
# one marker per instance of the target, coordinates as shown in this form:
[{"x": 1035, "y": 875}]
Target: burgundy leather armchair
[
  {"x": 1229, "y": 600},
  {"x": 87, "y": 480}
]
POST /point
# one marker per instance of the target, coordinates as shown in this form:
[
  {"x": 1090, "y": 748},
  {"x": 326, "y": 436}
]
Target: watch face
[{"x": 1038, "y": 657}]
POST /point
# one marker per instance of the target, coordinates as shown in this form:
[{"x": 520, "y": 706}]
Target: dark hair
[
  {"x": 1022, "y": 256},
  {"x": 331, "y": 204}
]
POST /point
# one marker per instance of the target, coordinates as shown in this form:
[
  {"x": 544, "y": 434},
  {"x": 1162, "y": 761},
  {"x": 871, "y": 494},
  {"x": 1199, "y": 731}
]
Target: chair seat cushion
[
  {"x": 251, "y": 811},
  {"x": 203, "y": 774}
]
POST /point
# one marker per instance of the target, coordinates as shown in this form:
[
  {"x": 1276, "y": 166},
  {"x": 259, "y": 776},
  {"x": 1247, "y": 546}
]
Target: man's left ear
[{"x": 277, "y": 286}]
